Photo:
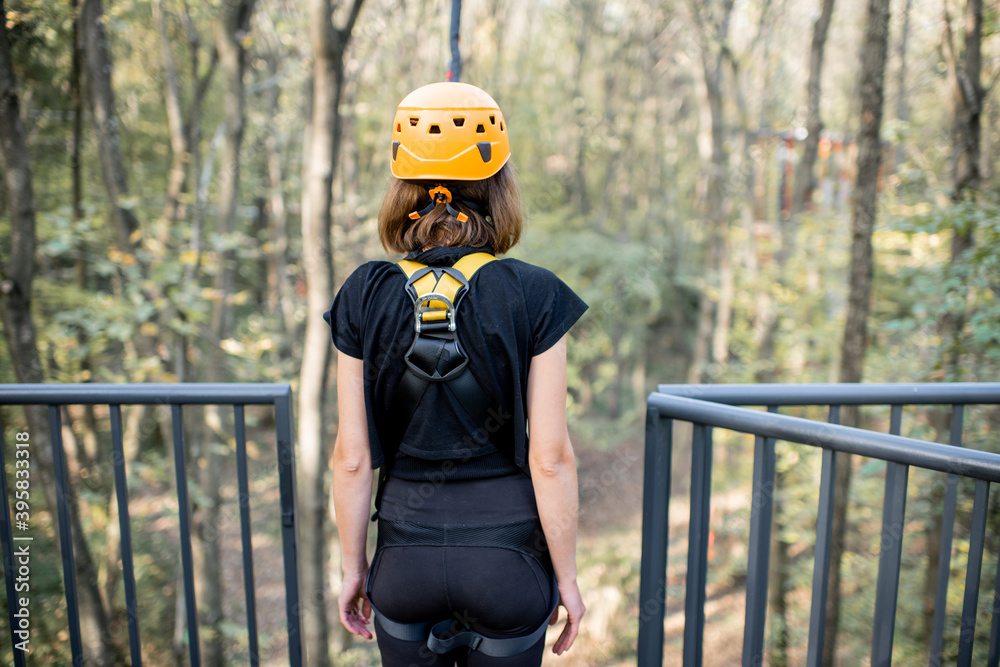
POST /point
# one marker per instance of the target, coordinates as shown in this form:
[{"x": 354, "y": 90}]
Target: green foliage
[
  {"x": 964, "y": 290},
  {"x": 623, "y": 283}
]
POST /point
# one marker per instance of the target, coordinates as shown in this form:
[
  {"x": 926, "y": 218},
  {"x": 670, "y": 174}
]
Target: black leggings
[{"x": 496, "y": 591}]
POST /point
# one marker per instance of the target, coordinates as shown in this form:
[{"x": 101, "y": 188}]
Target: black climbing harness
[{"x": 436, "y": 355}]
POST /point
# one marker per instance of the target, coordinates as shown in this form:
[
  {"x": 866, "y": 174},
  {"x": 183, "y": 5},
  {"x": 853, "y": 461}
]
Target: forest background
[{"x": 189, "y": 182}]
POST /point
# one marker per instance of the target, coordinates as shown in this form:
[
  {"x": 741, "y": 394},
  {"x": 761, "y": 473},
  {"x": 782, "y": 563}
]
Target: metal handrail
[
  {"x": 919, "y": 393},
  {"x": 180, "y": 393},
  {"x": 895, "y": 448},
  {"x": 708, "y": 406},
  {"x": 176, "y": 396}
]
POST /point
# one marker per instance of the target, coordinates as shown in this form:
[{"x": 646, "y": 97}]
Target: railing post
[
  {"x": 65, "y": 533},
  {"x": 890, "y": 555},
  {"x": 993, "y": 658},
  {"x": 184, "y": 515},
  {"x": 286, "y": 486},
  {"x": 655, "y": 537},
  {"x": 125, "y": 529},
  {"x": 947, "y": 537},
  {"x": 758, "y": 557},
  {"x": 246, "y": 535},
  {"x": 694, "y": 597},
  {"x": 821, "y": 558},
  {"x": 977, "y": 538}
]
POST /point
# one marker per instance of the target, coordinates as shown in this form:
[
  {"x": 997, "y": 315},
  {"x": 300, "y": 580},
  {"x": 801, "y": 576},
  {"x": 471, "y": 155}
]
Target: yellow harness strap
[{"x": 446, "y": 285}]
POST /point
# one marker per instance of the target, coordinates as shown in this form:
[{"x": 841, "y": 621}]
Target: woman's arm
[
  {"x": 352, "y": 492},
  {"x": 553, "y": 475}
]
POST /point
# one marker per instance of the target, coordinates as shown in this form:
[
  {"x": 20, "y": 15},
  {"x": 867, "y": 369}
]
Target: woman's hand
[
  {"x": 569, "y": 597},
  {"x": 354, "y": 617}
]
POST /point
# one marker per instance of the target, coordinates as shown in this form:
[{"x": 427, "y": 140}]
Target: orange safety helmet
[{"x": 448, "y": 131}]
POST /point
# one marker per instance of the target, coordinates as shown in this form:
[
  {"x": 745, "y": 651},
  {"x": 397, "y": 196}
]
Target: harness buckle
[{"x": 419, "y": 310}]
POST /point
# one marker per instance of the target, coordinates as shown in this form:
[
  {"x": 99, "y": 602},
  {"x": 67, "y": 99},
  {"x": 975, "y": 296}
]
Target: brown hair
[{"x": 497, "y": 224}]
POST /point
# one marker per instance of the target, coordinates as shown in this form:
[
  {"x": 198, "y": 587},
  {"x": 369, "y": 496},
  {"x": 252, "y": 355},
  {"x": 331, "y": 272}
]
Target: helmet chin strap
[{"x": 442, "y": 195}]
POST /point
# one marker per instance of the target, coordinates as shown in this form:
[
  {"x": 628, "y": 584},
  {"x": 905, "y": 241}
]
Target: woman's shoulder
[
  {"x": 371, "y": 273},
  {"x": 371, "y": 267},
  {"x": 525, "y": 271}
]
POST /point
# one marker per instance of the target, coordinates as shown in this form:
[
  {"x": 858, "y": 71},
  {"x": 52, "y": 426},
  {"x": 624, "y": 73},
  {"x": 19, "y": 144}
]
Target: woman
[{"x": 477, "y": 529}]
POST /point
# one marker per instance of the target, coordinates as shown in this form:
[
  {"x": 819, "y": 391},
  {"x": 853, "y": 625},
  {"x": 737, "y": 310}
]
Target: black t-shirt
[{"x": 512, "y": 312}]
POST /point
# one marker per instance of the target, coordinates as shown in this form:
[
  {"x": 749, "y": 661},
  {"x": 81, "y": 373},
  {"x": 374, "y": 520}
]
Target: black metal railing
[
  {"x": 708, "y": 406},
  {"x": 176, "y": 396}
]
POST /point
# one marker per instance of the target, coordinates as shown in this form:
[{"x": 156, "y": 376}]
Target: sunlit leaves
[{"x": 965, "y": 290}]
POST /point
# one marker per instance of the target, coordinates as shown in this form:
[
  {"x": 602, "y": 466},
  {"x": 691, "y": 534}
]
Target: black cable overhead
[{"x": 455, "y": 67}]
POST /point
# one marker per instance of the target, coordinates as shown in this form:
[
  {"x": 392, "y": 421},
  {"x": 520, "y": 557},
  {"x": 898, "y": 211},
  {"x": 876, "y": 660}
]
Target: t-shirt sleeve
[
  {"x": 552, "y": 306},
  {"x": 346, "y": 316}
]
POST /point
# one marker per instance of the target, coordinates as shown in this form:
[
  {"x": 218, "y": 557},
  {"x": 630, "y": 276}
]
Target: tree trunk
[
  {"x": 190, "y": 163},
  {"x": 74, "y": 159},
  {"x": 772, "y": 313},
  {"x": 902, "y": 101},
  {"x": 967, "y": 98},
  {"x": 966, "y": 105},
  {"x": 579, "y": 190},
  {"x": 986, "y": 166},
  {"x": 804, "y": 177},
  {"x": 712, "y": 55},
  {"x": 765, "y": 326},
  {"x": 109, "y": 569},
  {"x": 231, "y": 30},
  {"x": 200, "y": 83},
  {"x": 102, "y": 106},
  {"x": 179, "y": 149},
  {"x": 90, "y": 420},
  {"x": 856, "y": 329},
  {"x": 499, "y": 19},
  {"x": 329, "y": 45},
  {"x": 803, "y": 184},
  {"x": 715, "y": 190},
  {"x": 280, "y": 287},
  {"x": 17, "y": 276},
  {"x": 703, "y": 328},
  {"x": 261, "y": 235},
  {"x": 724, "y": 309},
  {"x": 19, "y": 328}
]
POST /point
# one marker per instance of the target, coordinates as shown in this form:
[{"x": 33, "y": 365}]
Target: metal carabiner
[{"x": 449, "y": 313}]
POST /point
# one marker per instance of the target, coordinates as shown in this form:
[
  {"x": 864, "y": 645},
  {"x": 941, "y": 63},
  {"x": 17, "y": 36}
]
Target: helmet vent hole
[
  {"x": 493, "y": 119},
  {"x": 414, "y": 120},
  {"x": 399, "y": 127},
  {"x": 501, "y": 126},
  {"x": 480, "y": 129},
  {"x": 459, "y": 122},
  {"x": 434, "y": 129}
]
